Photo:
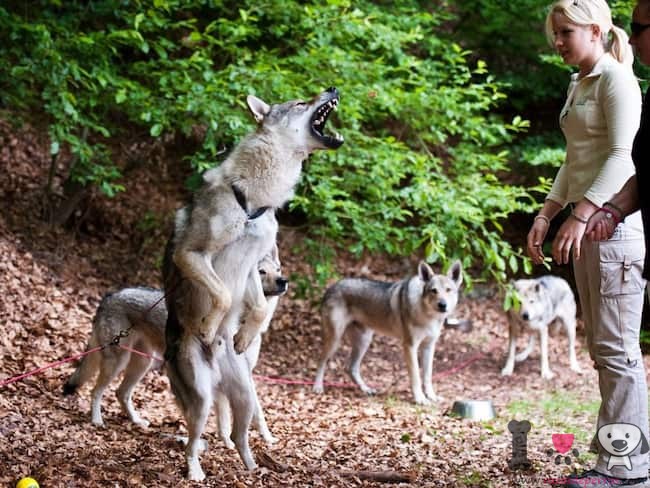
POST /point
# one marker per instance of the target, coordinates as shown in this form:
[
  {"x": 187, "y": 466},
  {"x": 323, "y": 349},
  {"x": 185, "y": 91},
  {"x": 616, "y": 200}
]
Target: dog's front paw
[
  {"x": 367, "y": 390},
  {"x": 242, "y": 340},
  {"x": 140, "y": 422},
  {"x": 576, "y": 369},
  {"x": 269, "y": 438},
  {"x": 547, "y": 374},
  {"x": 431, "y": 395},
  {"x": 98, "y": 422},
  {"x": 228, "y": 442},
  {"x": 194, "y": 470},
  {"x": 506, "y": 371},
  {"x": 421, "y": 399},
  {"x": 318, "y": 388}
]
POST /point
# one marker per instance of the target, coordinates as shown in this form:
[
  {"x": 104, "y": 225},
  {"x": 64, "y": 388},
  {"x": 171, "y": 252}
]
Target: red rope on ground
[
  {"x": 266, "y": 379},
  {"x": 144, "y": 354},
  {"x": 48, "y": 366},
  {"x": 462, "y": 365}
]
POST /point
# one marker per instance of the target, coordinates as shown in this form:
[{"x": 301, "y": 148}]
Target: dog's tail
[{"x": 86, "y": 370}]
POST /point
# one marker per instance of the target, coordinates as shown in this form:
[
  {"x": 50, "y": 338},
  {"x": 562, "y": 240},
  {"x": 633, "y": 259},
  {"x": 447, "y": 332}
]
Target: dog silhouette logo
[{"x": 619, "y": 441}]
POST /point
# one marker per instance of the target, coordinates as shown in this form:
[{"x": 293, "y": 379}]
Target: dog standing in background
[
  {"x": 412, "y": 310},
  {"x": 544, "y": 302},
  {"x": 142, "y": 312},
  {"x": 213, "y": 292}
]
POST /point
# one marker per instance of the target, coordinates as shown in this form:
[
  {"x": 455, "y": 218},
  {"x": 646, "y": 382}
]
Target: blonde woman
[{"x": 599, "y": 120}]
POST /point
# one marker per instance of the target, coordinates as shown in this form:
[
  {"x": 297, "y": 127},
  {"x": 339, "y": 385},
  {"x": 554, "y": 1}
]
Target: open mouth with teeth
[{"x": 318, "y": 121}]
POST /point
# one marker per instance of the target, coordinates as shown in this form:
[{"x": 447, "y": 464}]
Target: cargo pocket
[{"x": 621, "y": 289}]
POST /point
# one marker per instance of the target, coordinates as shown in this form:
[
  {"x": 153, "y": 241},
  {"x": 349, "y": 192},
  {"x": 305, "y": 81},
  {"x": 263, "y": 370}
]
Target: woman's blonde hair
[{"x": 593, "y": 12}]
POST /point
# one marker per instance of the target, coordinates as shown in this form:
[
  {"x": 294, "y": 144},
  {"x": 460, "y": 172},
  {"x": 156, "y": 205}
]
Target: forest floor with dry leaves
[{"x": 51, "y": 281}]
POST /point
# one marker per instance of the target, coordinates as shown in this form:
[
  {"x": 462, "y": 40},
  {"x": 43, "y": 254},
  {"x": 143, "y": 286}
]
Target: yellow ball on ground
[{"x": 27, "y": 483}]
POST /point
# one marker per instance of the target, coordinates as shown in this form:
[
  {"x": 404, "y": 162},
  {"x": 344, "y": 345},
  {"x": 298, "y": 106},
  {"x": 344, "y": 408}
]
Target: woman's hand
[
  {"x": 569, "y": 236},
  {"x": 536, "y": 237}
]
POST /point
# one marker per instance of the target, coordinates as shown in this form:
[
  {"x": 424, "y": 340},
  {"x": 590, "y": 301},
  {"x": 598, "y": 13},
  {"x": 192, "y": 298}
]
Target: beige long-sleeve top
[{"x": 600, "y": 118}]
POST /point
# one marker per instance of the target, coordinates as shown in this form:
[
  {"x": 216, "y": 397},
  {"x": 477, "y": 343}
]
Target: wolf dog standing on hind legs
[
  {"x": 209, "y": 265},
  {"x": 412, "y": 310},
  {"x": 142, "y": 312}
]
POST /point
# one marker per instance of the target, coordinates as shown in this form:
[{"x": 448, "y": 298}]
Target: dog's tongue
[{"x": 562, "y": 442}]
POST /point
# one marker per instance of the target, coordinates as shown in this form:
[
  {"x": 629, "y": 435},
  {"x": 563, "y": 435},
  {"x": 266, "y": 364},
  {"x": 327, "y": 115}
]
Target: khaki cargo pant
[{"x": 611, "y": 291}]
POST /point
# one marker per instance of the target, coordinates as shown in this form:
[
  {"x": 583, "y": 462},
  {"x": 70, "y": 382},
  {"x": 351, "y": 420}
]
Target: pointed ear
[
  {"x": 425, "y": 272},
  {"x": 456, "y": 272},
  {"x": 275, "y": 254},
  {"x": 258, "y": 108}
]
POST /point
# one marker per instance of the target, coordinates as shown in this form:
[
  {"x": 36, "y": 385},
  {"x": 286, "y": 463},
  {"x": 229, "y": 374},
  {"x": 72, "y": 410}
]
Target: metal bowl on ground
[{"x": 474, "y": 409}]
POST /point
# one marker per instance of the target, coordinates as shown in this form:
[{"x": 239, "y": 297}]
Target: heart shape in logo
[{"x": 562, "y": 442}]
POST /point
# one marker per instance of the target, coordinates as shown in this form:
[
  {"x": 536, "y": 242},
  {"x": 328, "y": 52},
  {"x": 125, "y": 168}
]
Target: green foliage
[{"x": 424, "y": 164}]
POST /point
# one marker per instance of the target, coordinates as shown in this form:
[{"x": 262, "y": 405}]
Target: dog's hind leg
[
  {"x": 242, "y": 400},
  {"x": 332, "y": 329},
  {"x": 260, "y": 422},
  {"x": 523, "y": 355},
  {"x": 224, "y": 419},
  {"x": 135, "y": 371},
  {"x": 111, "y": 366},
  {"x": 85, "y": 371},
  {"x": 361, "y": 338},
  {"x": 196, "y": 418}
]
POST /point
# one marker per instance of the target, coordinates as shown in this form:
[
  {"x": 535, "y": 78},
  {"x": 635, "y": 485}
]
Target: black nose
[
  {"x": 619, "y": 444},
  {"x": 442, "y": 306},
  {"x": 282, "y": 284},
  {"x": 525, "y": 316}
]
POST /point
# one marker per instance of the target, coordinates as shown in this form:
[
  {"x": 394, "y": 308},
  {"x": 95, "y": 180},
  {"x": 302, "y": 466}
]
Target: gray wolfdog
[
  {"x": 119, "y": 311},
  {"x": 142, "y": 313},
  {"x": 543, "y": 302},
  {"x": 214, "y": 295},
  {"x": 412, "y": 310}
]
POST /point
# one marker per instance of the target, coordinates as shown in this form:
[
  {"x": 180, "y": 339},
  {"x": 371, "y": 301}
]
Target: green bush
[{"x": 424, "y": 164}]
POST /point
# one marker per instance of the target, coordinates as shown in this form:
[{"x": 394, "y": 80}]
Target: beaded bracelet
[{"x": 542, "y": 217}]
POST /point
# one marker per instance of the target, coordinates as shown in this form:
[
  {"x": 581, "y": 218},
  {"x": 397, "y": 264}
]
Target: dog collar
[{"x": 241, "y": 200}]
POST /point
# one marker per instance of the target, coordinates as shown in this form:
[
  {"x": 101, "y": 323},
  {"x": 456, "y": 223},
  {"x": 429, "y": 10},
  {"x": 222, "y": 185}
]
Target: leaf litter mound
[{"x": 52, "y": 279}]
